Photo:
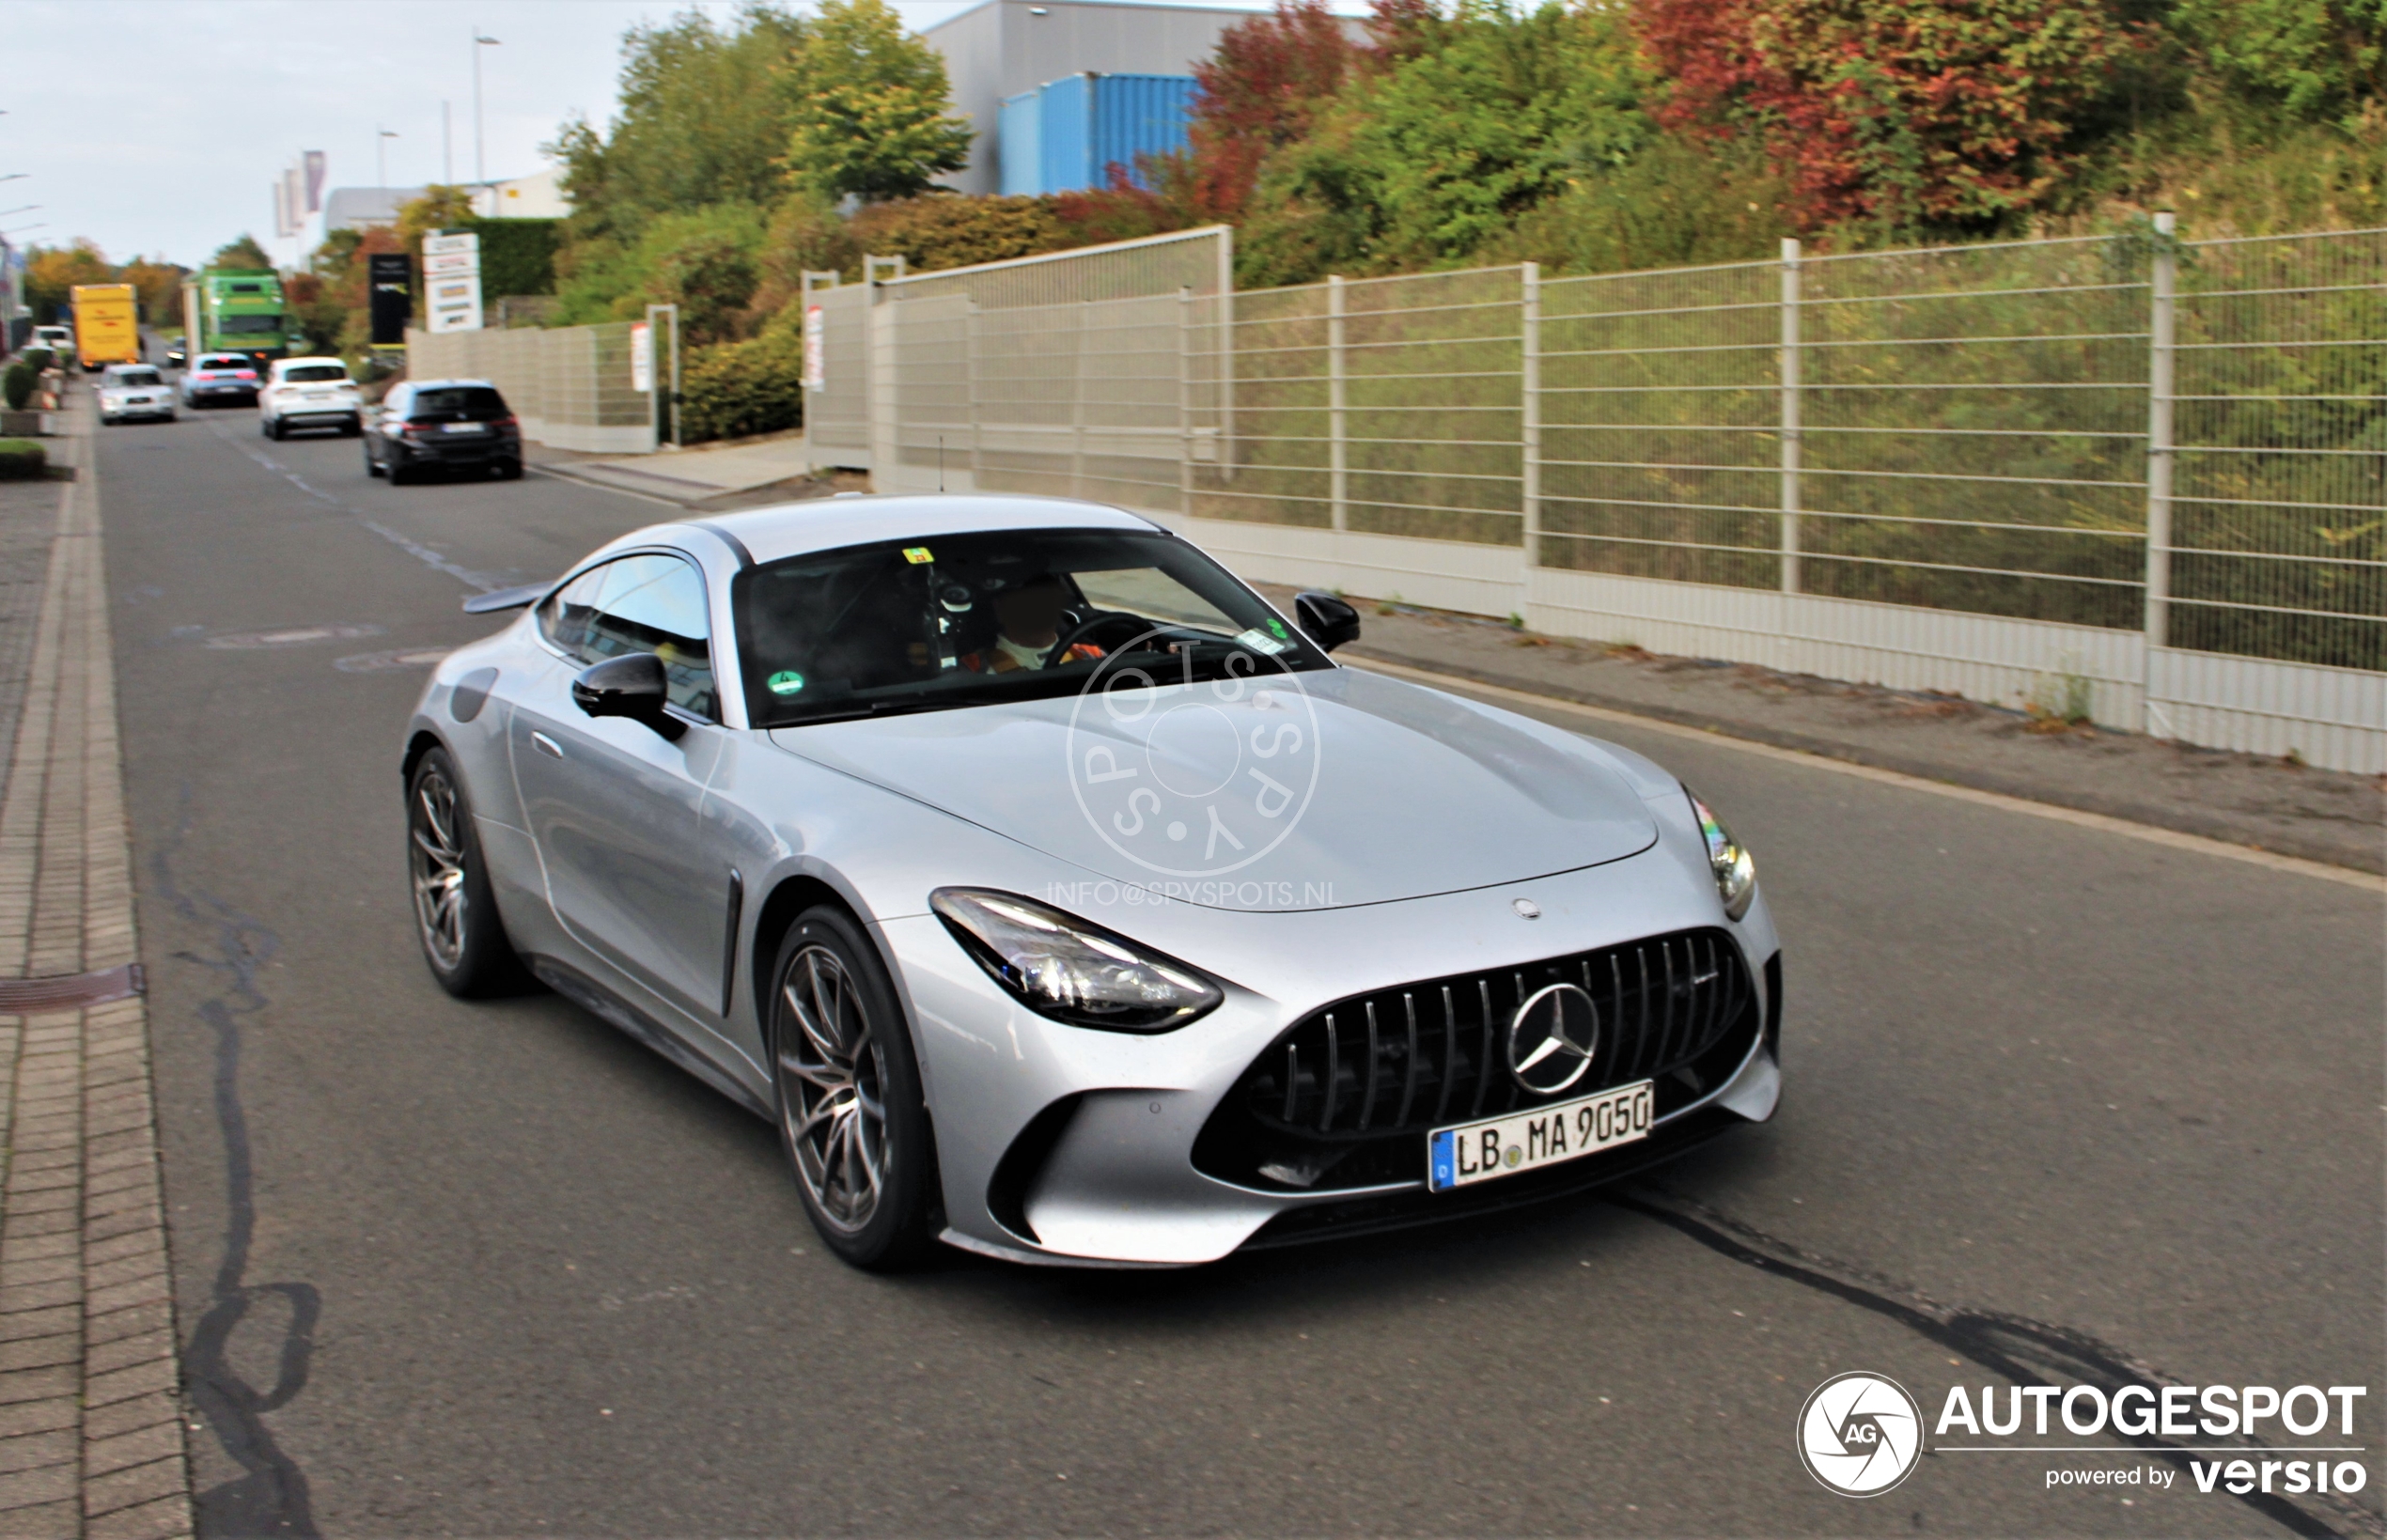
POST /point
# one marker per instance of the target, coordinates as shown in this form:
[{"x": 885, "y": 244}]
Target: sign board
[
  {"x": 452, "y": 281},
  {"x": 392, "y": 280},
  {"x": 815, "y": 348},
  {"x": 642, "y": 356}
]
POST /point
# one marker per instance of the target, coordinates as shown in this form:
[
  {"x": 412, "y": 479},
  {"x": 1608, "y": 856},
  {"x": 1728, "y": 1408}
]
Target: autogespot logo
[
  {"x": 1860, "y": 1433},
  {"x": 1197, "y": 768}
]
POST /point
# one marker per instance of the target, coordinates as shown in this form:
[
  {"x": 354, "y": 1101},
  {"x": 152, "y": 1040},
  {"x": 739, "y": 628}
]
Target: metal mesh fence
[
  {"x": 1992, "y": 430},
  {"x": 1386, "y": 406},
  {"x": 1660, "y": 418},
  {"x": 2279, "y": 521}
]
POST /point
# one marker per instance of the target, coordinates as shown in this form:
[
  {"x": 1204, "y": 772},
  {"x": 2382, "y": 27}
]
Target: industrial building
[{"x": 1057, "y": 89}]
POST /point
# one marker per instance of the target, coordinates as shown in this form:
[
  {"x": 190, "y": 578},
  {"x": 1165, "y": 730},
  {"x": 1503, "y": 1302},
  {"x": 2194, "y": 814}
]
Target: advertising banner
[
  {"x": 816, "y": 351},
  {"x": 642, "y": 356}
]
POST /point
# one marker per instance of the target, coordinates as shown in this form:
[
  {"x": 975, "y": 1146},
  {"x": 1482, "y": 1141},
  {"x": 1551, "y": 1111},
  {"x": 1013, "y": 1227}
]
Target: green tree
[
  {"x": 2314, "y": 58},
  {"x": 51, "y": 272},
  {"x": 868, "y": 106},
  {"x": 1488, "y": 113},
  {"x": 439, "y": 207},
  {"x": 242, "y": 254},
  {"x": 702, "y": 121}
]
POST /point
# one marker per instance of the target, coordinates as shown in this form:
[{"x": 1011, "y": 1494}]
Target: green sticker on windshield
[
  {"x": 1278, "y": 627},
  {"x": 786, "y": 683},
  {"x": 917, "y": 555}
]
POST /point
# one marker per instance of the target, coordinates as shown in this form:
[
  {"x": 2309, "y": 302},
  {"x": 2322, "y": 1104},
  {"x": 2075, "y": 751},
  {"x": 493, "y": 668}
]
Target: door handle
[{"x": 546, "y": 746}]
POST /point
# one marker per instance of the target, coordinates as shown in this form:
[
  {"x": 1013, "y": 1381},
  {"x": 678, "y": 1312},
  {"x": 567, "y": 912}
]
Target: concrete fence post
[
  {"x": 2160, "y": 359},
  {"x": 1529, "y": 400},
  {"x": 1791, "y": 429},
  {"x": 1337, "y": 431},
  {"x": 1185, "y": 401}
]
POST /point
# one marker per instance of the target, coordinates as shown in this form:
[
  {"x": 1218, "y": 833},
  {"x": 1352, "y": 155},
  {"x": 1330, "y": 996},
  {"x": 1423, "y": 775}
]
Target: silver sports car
[{"x": 1060, "y": 898}]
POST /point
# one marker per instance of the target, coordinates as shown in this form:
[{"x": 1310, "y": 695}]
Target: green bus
[{"x": 231, "y": 311}]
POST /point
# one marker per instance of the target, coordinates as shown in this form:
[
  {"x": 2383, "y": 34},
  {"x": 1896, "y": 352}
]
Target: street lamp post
[
  {"x": 382, "y": 138},
  {"x": 480, "y": 170}
]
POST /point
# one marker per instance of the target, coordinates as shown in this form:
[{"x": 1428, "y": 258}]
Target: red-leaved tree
[
  {"x": 1260, "y": 91},
  {"x": 1903, "y": 113}
]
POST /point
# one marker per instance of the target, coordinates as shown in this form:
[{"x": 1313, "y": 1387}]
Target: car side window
[{"x": 648, "y": 603}]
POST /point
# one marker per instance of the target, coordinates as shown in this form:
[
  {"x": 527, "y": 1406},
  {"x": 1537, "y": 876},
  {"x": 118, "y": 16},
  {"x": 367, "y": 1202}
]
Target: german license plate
[
  {"x": 463, "y": 428},
  {"x": 1467, "y": 1153}
]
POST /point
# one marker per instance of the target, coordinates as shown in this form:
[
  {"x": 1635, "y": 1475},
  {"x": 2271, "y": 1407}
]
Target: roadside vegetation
[{"x": 1588, "y": 136}]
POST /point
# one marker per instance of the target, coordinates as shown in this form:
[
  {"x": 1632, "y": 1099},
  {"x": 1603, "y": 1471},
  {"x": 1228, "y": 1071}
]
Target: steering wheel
[{"x": 1093, "y": 622}]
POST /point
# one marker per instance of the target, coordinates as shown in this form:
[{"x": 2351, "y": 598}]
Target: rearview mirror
[
  {"x": 1327, "y": 620},
  {"x": 634, "y": 686}
]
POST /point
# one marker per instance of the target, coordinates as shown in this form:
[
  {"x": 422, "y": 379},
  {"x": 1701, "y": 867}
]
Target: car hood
[{"x": 1325, "y": 790}]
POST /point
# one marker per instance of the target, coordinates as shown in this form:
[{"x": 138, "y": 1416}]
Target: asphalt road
[{"x": 2058, "y": 1100}]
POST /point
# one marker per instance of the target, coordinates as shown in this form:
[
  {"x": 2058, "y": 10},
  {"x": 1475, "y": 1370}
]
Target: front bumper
[{"x": 1065, "y": 1145}]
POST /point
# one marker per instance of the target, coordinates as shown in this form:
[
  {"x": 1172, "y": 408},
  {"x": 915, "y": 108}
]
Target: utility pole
[
  {"x": 446, "y": 148},
  {"x": 381, "y": 138},
  {"x": 480, "y": 170}
]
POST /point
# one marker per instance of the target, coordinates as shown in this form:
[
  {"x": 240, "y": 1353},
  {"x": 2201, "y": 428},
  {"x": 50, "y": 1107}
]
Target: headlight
[
  {"x": 1068, "y": 969},
  {"x": 1736, "y": 874}
]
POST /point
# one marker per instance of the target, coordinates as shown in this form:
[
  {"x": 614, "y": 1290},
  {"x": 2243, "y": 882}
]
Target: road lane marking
[{"x": 2105, "y": 823}]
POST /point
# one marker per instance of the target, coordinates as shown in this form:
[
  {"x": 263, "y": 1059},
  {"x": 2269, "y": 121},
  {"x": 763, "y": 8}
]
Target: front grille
[{"x": 1344, "y": 1098}]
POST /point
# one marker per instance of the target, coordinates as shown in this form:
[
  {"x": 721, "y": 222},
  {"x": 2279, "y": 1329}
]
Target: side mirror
[
  {"x": 632, "y": 686},
  {"x": 1328, "y": 620}
]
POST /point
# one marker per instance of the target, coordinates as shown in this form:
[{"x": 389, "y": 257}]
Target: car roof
[
  {"x": 311, "y": 358},
  {"x": 828, "y": 523},
  {"x": 429, "y": 384}
]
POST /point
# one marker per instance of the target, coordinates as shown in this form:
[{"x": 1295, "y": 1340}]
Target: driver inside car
[{"x": 1027, "y": 626}]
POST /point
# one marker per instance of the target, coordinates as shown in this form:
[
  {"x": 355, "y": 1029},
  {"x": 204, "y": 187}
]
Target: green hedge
[
  {"x": 518, "y": 256},
  {"x": 18, "y": 385},
  {"x": 21, "y": 459},
  {"x": 736, "y": 389}
]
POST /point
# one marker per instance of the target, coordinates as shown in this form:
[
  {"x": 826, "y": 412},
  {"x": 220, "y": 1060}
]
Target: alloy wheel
[
  {"x": 831, "y": 1085},
  {"x": 435, "y": 860}
]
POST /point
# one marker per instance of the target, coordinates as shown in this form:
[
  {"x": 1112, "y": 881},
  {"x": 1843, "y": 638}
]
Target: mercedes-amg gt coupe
[{"x": 1060, "y": 898}]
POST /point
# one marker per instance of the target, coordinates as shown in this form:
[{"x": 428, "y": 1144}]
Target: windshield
[
  {"x": 137, "y": 377},
  {"x": 235, "y": 362},
  {"x": 316, "y": 371},
  {"x": 969, "y": 619}
]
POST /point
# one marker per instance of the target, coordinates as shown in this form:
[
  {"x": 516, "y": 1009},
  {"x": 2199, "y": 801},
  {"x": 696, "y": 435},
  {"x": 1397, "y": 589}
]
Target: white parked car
[
  {"x": 309, "y": 392},
  {"x": 135, "y": 390},
  {"x": 58, "y": 339}
]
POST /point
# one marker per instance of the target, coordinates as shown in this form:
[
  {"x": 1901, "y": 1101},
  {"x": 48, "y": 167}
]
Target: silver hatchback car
[{"x": 1060, "y": 898}]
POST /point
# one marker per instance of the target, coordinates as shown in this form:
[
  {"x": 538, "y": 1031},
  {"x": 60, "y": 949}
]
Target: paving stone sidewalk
[{"x": 91, "y": 1426}]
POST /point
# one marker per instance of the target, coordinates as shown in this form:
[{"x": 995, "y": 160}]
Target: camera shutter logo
[
  {"x": 1860, "y": 1433},
  {"x": 1552, "y": 1039},
  {"x": 1194, "y": 773}
]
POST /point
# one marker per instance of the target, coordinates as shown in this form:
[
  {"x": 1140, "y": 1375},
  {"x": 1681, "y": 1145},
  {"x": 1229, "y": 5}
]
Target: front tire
[
  {"x": 456, "y": 916},
  {"x": 851, "y": 1116}
]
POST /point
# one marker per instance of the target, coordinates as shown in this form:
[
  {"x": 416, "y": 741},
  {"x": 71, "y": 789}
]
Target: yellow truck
[{"x": 107, "y": 325}]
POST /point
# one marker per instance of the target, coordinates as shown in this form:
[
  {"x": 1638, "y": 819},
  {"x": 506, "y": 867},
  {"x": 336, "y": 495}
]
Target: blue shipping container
[
  {"x": 1019, "y": 138},
  {"x": 1065, "y": 136}
]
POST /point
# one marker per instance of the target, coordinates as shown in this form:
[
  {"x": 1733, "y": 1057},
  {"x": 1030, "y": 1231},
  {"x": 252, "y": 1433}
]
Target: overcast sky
[{"x": 157, "y": 127}]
